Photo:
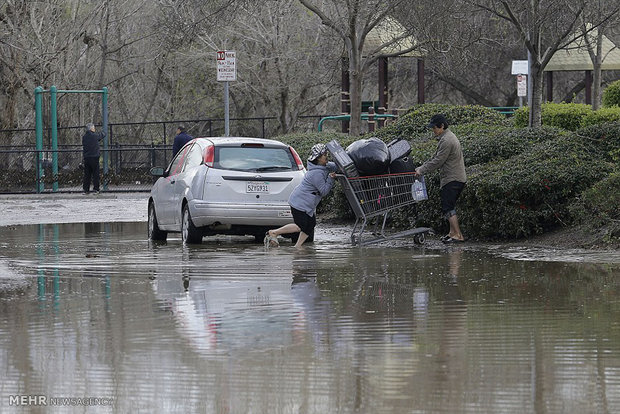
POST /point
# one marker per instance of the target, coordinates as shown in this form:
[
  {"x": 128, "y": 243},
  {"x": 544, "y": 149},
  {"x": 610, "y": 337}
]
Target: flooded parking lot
[{"x": 96, "y": 311}]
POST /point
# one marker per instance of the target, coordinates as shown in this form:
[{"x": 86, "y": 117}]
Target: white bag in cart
[{"x": 418, "y": 190}]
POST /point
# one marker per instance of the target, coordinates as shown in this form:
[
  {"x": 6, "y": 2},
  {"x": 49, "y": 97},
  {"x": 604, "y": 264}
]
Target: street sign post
[
  {"x": 521, "y": 68},
  {"x": 521, "y": 85},
  {"x": 226, "y": 72}
]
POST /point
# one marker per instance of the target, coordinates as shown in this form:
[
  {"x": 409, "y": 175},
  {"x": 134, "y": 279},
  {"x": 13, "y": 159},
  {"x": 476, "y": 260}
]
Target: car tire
[
  {"x": 189, "y": 233},
  {"x": 154, "y": 231}
]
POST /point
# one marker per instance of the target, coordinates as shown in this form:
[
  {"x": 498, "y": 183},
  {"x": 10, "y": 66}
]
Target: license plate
[
  {"x": 285, "y": 214},
  {"x": 257, "y": 187}
]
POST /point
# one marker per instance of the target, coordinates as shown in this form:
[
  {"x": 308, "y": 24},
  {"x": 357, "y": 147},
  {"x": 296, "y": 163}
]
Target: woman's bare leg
[
  {"x": 286, "y": 229},
  {"x": 302, "y": 238}
]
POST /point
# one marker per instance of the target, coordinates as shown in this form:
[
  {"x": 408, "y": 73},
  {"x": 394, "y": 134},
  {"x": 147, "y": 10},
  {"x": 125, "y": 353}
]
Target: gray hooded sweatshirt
[{"x": 316, "y": 184}]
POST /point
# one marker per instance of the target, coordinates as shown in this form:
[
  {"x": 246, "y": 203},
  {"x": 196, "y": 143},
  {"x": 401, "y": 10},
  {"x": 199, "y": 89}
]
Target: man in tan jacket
[{"x": 449, "y": 160}]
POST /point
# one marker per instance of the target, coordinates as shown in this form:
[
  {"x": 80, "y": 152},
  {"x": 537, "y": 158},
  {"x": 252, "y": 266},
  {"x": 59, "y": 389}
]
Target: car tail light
[
  {"x": 252, "y": 145},
  {"x": 209, "y": 155},
  {"x": 300, "y": 164}
]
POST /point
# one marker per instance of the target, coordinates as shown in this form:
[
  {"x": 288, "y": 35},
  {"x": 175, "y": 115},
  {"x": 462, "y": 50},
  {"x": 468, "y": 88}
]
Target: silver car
[{"x": 224, "y": 185}]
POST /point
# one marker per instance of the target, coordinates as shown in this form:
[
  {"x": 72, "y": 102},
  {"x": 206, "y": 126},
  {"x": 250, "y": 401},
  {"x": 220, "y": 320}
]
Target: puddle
[{"x": 96, "y": 310}]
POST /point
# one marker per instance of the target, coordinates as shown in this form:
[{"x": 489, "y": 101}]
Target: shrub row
[
  {"x": 569, "y": 116},
  {"x": 611, "y": 94},
  {"x": 598, "y": 206}
]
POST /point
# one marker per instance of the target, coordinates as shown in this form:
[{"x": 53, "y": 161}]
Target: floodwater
[{"x": 96, "y": 312}]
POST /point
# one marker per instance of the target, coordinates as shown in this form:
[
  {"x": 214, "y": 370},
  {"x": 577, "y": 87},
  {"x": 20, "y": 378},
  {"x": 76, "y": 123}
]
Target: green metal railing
[
  {"x": 365, "y": 116},
  {"x": 38, "y": 91}
]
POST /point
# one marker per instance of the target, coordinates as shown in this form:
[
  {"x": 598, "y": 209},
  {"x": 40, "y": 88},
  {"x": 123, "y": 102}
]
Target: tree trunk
[
  {"x": 597, "y": 62},
  {"x": 356, "y": 104},
  {"x": 537, "y": 87},
  {"x": 355, "y": 76}
]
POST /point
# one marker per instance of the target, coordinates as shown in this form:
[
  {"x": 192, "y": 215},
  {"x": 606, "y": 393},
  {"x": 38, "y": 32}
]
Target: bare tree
[
  {"x": 593, "y": 42},
  {"x": 352, "y": 21},
  {"x": 544, "y": 26},
  {"x": 286, "y": 64}
]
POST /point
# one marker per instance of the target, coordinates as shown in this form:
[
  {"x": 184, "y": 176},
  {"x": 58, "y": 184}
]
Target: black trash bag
[{"x": 370, "y": 156}]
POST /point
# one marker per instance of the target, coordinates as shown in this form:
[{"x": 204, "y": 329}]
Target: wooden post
[
  {"x": 549, "y": 86},
  {"x": 380, "y": 121},
  {"x": 588, "y": 87},
  {"x": 371, "y": 119},
  {"x": 383, "y": 82},
  {"x": 420, "y": 81},
  {"x": 345, "y": 98}
]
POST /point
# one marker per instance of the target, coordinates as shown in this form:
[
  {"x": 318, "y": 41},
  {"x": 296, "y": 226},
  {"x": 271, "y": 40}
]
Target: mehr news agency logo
[{"x": 43, "y": 401}]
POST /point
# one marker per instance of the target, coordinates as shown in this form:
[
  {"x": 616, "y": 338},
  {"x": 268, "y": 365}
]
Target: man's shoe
[{"x": 85, "y": 193}]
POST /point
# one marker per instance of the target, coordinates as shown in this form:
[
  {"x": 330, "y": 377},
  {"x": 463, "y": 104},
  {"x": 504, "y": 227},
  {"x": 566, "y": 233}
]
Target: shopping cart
[{"x": 375, "y": 196}]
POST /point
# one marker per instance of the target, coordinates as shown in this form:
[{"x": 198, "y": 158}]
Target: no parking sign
[{"x": 226, "y": 66}]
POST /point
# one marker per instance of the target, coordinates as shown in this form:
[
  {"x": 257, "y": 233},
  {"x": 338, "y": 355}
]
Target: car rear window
[{"x": 254, "y": 159}]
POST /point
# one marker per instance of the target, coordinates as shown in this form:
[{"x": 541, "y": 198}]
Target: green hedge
[
  {"x": 568, "y": 116},
  {"x": 601, "y": 116},
  {"x": 611, "y": 94},
  {"x": 598, "y": 206},
  {"x": 604, "y": 138},
  {"x": 487, "y": 145},
  {"x": 415, "y": 121},
  {"x": 529, "y": 193}
]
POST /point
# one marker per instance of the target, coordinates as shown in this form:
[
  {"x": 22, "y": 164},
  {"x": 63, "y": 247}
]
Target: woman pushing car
[{"x": 304, "y": 199}]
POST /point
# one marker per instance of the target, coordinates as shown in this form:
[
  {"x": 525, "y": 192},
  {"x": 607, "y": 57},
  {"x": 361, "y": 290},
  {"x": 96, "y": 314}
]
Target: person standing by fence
[
  {"x": 90, "y": 147},
  {"x": 180, "y": 139}
]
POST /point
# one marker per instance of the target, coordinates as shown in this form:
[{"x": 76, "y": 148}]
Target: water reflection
[{"x": 230, "y": 327}]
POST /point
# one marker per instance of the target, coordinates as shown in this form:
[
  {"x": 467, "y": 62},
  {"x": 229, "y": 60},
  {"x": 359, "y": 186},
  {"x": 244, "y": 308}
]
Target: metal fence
[{"x": 134, "y": 148}]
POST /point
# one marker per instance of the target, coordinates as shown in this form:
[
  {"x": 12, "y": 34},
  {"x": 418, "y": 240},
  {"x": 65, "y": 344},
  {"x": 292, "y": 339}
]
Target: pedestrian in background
[
  {"x": 180, "y": 139},
  {"x": 449, "y": 160},
  {"x": 90, "y": 148},
  {"x": 317, "y": 183}
]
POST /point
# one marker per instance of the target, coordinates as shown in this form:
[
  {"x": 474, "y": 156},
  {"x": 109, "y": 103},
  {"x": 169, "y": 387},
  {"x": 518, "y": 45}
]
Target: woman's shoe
[
  {"x": 450, "y": 240},
  {"x": 271, "y": 241}
]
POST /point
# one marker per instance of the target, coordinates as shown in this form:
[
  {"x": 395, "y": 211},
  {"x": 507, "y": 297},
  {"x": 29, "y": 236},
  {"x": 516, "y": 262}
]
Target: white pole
[{"x": 226, "y": 112}]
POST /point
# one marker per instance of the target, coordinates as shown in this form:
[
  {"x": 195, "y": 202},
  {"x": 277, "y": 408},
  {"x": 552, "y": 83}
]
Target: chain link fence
[{"x": 132, "y": 150}]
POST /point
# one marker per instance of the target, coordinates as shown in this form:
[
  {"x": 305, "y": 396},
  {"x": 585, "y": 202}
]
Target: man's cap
[
  {"x": 437, "y": 120},
  {"x": 316, "y": 151},
  {"x": 181, "y": 128}
]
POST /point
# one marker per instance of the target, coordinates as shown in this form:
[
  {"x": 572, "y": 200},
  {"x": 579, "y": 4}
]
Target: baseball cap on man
[
  {"x": 437, "y": 120},
  {"x": 316, "y": 151}
]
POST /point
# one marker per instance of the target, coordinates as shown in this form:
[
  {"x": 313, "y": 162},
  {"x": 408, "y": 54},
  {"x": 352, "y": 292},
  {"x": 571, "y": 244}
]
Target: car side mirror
[{"x": 157, "y": 171}]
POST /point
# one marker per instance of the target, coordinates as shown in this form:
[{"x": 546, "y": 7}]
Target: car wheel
[
  {"x": 419, "y": 238},
  {"x": 190, "y": 233},
  {"x": 153, "y": 227}
]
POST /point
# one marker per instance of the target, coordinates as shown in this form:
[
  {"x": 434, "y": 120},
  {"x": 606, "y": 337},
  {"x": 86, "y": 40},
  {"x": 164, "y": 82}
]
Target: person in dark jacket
[
  {"x": 90, "y": 147},
  {"x": 180, "y": 139},
  {"x": 316, "y": 184},
  {"x": 448, "y": 159}
]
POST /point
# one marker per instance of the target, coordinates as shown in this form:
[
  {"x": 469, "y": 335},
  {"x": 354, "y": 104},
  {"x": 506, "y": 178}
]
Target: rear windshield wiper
[{"x": 274, "y": 168}]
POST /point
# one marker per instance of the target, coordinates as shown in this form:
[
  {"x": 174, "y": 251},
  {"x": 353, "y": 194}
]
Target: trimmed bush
[
  {"x": 604, "y": 138},
  {"x": 601, "y": 116},
  {"x": 567, "y": 116},
  {"x": 598, "y": 206},
  {"x": 529, "y": 193},
  {"x": 415, "y": 121},
  {"x": 611, "y": 94},
  {"x": 483, "y": 146}
]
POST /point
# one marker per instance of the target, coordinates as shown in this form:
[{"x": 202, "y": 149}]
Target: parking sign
[{"x": 226, "y": 66}]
